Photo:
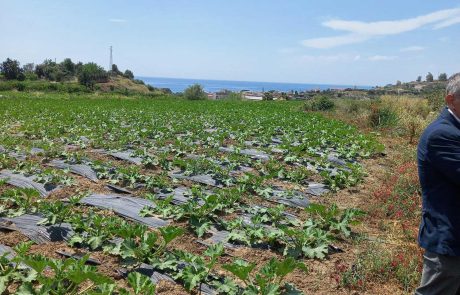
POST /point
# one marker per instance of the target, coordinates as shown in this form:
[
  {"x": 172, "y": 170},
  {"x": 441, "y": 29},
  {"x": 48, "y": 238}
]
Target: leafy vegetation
[
  {"x": 195, "y": 92},
  {"x": 247, "y": 156}
]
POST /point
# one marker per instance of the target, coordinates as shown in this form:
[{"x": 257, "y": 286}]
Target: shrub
[
  {"x": 138, "y": 81},
  {"x": 90, "y": 74},
  {"x": 435, "y": 99},
  {"x": 234, "y": 96},
  {"x": 382, "y": 116},
  {"x": 166, "y": 90},
  {"x": 267, "y": 96},
  {"x": 31, "y": 76},
  {"x": 321, "y": 103},
  {"x": 128, "y": 74},
  {"x": 151, "y": 88},
  {"x": 20, "y": 86},
  {"x": 195, "y": 92}
]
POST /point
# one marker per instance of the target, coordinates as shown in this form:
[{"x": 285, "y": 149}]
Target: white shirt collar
[{"x": 456, "y": 118}]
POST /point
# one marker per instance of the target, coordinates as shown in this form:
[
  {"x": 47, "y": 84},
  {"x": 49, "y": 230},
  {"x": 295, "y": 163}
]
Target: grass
[{"x": 394, "y": 206}]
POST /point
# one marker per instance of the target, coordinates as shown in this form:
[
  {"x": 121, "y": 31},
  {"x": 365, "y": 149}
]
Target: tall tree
[
  {"x": 115, "y": 70},
  {"x": 429, "y": 77},
  {"x": 68, "y": 67},
  {"x": 28, "y": 68},
  {"x": 442, "y": 77},
  {"x": 11, "y": 70}
]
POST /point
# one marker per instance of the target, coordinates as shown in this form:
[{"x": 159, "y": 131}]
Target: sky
[{"x": 366, "y": 42}]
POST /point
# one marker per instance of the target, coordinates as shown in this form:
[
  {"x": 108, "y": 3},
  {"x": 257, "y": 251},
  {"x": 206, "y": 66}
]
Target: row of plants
[{"x": 134, "y": 244}]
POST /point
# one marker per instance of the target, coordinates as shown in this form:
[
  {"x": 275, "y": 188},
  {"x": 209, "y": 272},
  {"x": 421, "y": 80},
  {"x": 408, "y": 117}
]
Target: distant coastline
[{"x": 178, "y": 85}]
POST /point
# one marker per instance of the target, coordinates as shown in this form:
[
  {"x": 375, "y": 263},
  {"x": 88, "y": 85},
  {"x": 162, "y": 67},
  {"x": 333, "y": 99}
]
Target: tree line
[
  {"x": 86, "y": 74},
  {"x": 430, "y": 78}
]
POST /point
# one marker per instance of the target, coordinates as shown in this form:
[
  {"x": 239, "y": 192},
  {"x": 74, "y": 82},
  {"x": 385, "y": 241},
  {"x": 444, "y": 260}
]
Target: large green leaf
[
  {"x": 169, "y": 233},
  {"x": 240, "y": 269}
]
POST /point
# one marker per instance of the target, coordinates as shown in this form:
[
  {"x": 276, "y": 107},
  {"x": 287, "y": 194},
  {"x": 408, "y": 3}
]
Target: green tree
[
  {"x": 442, "y": 77},
  {"x": 28, "y": 68},
  {"x": 29, "y": 71},
  {"x": 429, "y": 77},
  {"x": 115, "y": 70},
  {"x": 48, "y": 70},
  {"x": 78, "y": 67},
  {"x": 419, "y": 79},
  {"x": 195, "y": 92},
  {"x": 128, "y": 74},
  {"x": 68, "y": 68},
  {"x": 91, "y": 74},
  {"x": 11, "y": 70}
]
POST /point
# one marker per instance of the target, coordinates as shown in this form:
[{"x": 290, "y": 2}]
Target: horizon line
[{"x": 224, "y": 80}]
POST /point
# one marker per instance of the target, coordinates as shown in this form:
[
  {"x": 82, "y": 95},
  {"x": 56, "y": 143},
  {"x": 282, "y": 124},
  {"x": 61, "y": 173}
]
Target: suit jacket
[{"x": 438, "y": 156}]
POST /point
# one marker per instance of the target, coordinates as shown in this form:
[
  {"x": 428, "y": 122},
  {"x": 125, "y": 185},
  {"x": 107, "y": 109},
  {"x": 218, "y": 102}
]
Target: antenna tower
[{"x": 111, "y": 59}]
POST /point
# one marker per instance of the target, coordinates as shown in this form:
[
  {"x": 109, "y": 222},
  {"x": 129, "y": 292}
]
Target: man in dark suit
[{"x": 438, "y": 158}]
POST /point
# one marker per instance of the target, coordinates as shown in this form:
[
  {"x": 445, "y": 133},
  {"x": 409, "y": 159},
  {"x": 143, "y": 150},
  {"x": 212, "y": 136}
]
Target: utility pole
[{"x": 111, "y": 59}]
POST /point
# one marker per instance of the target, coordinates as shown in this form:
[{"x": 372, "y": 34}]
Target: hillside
[{"x": 120, "y": 83}]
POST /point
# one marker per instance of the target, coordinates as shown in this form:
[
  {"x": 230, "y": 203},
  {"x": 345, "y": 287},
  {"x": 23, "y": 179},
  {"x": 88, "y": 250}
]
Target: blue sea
[{"x": 179, "y": 85}]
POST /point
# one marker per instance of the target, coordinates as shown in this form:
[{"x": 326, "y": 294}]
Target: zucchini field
[{"x": 122, "y": 196}]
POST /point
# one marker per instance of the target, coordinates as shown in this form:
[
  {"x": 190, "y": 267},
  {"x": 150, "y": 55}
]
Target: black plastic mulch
[
  {"x": 203, "y": 179},
  {"x": 297, "y": 199},
  {"x": 118, "y": 189},
  {"x": 126, "y": 156},
  {"x": 316, "y": 189},
  {"x": 253, "y": 153},
  {"x": 125, "y": 206},
  {"x": 21, "y": 181},
  {"x": 10, "y": 254},
  {"x": 8, "y": 251},
  {"x": 180, "y": 195},
  {"x": 79, "y": 169},
  {"x": 27, "y": 224}
]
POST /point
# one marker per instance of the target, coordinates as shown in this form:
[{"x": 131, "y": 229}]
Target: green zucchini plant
[
  {"x": 269, "y": 279},
  {"x": 61, "y": 277},
  {"x": 16, "y": 202}
]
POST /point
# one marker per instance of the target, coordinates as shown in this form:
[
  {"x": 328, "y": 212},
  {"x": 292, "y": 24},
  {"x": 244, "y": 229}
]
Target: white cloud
[
  {"x": 382, "y": 58},
  {"x": 412, "y": 48},
  {"x": 328, "y": 42},
  {"x": 333, "y": 58},
  {"x": 117, "y": 20},
  {"x": 447, "y": 23},
  {"x": 321, "y": 58},
  {"x": 359, "y": 31}
]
